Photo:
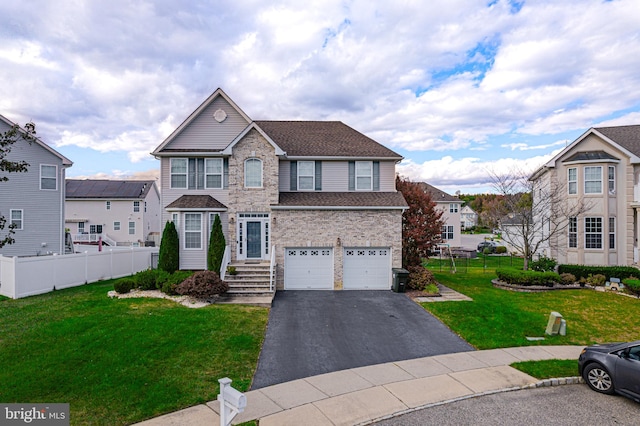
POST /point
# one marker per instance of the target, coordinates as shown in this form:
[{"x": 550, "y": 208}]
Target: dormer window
[{"x": 253, "y": 173}]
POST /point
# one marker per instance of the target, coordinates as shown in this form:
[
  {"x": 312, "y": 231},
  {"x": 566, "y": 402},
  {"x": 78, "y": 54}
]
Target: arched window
[{"x": 253, "y": 173}]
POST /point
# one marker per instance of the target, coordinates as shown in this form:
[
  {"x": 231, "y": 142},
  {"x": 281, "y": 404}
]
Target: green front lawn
[
  {"x": 500, "y": 318},
  {"x": 548, "y": 369},
  {"x": 119, "y": 361}
]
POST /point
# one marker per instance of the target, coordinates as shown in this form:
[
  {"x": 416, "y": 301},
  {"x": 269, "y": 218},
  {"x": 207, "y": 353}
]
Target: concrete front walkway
[{"x": 366, "y": 394}]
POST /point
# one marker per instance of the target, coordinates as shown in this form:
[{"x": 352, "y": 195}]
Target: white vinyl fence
[{"x": 27, "y": 276}]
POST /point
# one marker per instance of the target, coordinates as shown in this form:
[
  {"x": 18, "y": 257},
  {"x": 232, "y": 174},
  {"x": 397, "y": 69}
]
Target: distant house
[
  {"x": 468, "y": 217},
  {"x": 450, "y": 207},
  {"x": 120, "y": 212},
  {"x": 34, "y": 200},
  {"x": 601, "y": 168}
]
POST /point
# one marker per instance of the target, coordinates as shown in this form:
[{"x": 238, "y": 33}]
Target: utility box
[
  {"x": 553, "y": 326},
  {"x": 400, "y": 279}
]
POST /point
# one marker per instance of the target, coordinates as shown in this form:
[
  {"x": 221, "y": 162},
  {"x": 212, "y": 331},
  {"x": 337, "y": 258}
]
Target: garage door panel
[
  {"x": 308, "y": 268},
  {"x": 367, "y": 268}
]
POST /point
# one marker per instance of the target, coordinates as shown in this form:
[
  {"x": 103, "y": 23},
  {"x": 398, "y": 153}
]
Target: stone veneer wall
[
  {"x": 322, "y": 228},
  {"x": 241, "y": 199}
]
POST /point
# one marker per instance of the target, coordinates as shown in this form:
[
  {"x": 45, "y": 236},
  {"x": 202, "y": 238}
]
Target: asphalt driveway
[{"x": 316, "y": 332}]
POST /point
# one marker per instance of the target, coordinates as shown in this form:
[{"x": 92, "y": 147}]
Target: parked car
[
  {"x": 611, "y": 368},
  {"x": 491, "y": 245}
]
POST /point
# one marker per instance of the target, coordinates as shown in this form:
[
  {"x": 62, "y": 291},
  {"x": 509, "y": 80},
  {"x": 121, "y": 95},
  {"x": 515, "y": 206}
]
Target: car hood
[{"x": 608, "y": 347}]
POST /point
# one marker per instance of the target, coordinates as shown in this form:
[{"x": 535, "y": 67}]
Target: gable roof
[
  {"x": 437, "y": 195},
  {"x": 65, "y": 161},
  {"x": 338, "y": 200},
  {"x": 217, "y": 93},
  {"x": 320, "y": 139},
  {"x": 94, "y": 188}
]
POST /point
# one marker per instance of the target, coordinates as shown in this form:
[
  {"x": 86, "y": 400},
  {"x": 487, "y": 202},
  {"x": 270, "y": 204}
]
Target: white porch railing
[
  {"x": 226, "y": 259},
  {"x": 93, "y": 238},
  {"x": 272, "y": 269}
]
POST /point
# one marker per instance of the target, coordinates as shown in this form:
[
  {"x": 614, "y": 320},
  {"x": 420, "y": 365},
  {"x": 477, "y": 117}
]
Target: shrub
[
  {"x": 419, "y": 278},
  {"x": 543, "y": 264},
  {"x": 146, "y": 280},
  {"x": 486, "y": 251},
  {"x": 217, "y": 245},
  {"x": 161, "y": 278},
  {"x": 124, "y": 285},
  {"x": 632, "y": 286},
  {"x": 528, "y": 278},
  {"x": 597, "y": 280},
  {"x": 431, "y": 289},
  {"x": 171, "y": 281},
  {"x": 203, "y": 285},
  {"x": 169, "y": 256},
  {"x": 567, "y": 278},
  {"x": 583, "y": 271},
  {"x": 501, "y": 250}
]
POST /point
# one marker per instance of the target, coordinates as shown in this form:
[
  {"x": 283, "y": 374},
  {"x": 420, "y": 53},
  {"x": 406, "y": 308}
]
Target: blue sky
[{"x": 460, "y": 88}]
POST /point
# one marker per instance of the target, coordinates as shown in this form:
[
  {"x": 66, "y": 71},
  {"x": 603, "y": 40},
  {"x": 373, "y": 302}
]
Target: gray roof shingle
[
  {"x": 323, "y": 139},
  {"x": 625, "y": 136},
  {"x": 95, "y": 188},
  {"x": 342, "y": 199},
  {"x": 438, "y": 195}
]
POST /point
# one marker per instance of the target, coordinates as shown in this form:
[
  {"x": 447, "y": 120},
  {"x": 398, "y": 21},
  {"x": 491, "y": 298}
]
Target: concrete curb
[{"x": 542, "y": 383}]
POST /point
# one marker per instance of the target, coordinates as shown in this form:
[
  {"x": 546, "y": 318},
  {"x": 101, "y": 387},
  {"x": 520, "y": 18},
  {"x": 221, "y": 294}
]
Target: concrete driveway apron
[{"x": 316, "y": 332}]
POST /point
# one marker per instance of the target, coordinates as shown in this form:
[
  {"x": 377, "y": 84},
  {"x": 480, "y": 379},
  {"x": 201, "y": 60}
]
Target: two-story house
[
  {"x": 121, "y": 212},
  {"x": 34, "y": 200},
  {"x": 468, "y": 217},
  {"x": 320, "y": 195},
  {"x": 601, "y": 169},
  {"x": 450, "y": 207}
]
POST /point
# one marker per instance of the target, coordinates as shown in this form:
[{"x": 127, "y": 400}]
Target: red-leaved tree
[{"x": 421, "y": 223}]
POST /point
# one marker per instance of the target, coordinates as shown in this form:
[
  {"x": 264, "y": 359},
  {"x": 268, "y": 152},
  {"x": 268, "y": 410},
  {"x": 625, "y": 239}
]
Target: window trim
[
  {"x": 136, "y": 206},
  {"x": 221, "y": 173},
  {"x": 592, "y": 180},
  {"x": 108, "y": 205},
  {"x": 185, "y": 173},
  {"x": 453, "y": 208},
  {"x": 370, "y": 176},
  {"x": 116, "y": 225},
  {"x": 12, "y": 220},
  {"x": 573, "y": 181},
  {"x": 447, "y": 231},
  {"x": 190, "y": 231},
  {"x": 132, "y": 228},
  {"x": 612, "y": 233},
  {"x": 587, "y": 233},
  {"x": 55, "y": 177},
  {"x": 573, "y": 232},
  {"x": 257, "y": 162},
  {"x": 611, "y": 179},
  {"x": 312, "y": 175}
]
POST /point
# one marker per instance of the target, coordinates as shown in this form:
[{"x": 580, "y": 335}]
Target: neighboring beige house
[
  {"x": 316, "y": 198},
  {"x": 468, "y": 217},
  {"x": 120, "y": 212},
  {"x": 33, "y": 200},
  {"x": 450, "y": 207},
  {"x": 601, "y": 167}
]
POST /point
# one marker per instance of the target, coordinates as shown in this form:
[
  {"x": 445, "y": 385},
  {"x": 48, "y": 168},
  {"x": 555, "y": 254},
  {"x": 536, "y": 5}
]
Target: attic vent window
[{"x": 220, "y": 116}]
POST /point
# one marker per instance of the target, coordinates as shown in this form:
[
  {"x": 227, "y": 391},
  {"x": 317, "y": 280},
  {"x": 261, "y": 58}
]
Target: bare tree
[
  {"x": 535, "y": 209},
  {"x": 7, "y": 139}
]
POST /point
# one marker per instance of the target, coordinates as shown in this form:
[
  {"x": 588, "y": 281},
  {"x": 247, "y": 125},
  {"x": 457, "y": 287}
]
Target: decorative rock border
[{"x": 536, "y": 288}]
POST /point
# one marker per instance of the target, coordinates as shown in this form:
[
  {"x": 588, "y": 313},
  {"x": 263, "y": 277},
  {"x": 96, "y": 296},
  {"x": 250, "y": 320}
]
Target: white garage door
[
  {"x": 367, "y": 268},
  {"x": 308, "y": 268}
]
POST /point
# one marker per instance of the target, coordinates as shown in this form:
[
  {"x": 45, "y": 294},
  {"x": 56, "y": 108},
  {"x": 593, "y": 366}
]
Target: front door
[{"x": 254, "y": 240}]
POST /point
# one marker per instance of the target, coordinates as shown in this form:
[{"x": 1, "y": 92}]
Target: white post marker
[{"x": 232, "y": 401}]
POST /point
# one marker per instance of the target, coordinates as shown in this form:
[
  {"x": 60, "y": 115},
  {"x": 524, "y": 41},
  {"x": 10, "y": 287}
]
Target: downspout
[{"x": 63, "y": 188}]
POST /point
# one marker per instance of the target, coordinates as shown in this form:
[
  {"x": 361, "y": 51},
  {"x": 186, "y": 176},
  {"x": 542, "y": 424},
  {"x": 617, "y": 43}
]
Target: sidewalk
[{"x": 366, "y": 394}]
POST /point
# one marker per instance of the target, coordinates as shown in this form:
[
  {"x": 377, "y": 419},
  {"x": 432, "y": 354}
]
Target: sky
[{"x": 462, "y": 89}]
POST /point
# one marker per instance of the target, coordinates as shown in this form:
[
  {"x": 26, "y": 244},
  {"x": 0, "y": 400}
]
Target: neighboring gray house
[
  {"x": 34, "y": 200},
  {"x": 121, "y": 212},
  {"x": 317, "y": 198}
]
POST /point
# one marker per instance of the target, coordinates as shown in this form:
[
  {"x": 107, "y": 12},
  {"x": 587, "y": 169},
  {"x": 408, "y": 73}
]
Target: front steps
[{"x": 250, "y": 286}]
